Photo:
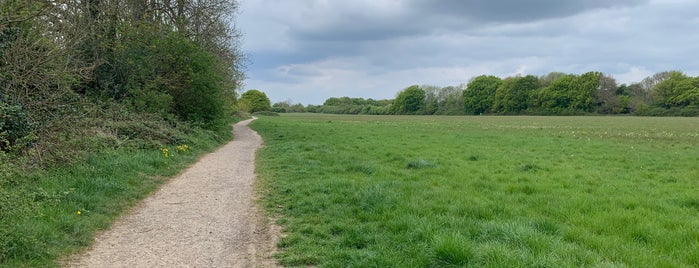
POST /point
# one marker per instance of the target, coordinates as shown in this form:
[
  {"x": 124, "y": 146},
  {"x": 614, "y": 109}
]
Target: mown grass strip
[{"x": 363, "y": 191}]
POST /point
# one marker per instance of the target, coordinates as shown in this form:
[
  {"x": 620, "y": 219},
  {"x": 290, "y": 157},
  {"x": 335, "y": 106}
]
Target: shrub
[
  {"x": 198, "y": 89},
  {"x": 265, "y": 113},
  {"x": 278, "y": 110},
  {"x": 689, "y": 111},
  {"x": 168, "y": 74},
  {"x": 15, "y": 127}
]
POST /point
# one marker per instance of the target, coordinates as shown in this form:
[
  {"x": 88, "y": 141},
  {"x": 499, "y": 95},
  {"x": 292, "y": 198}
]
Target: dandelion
[
  {"x": 166, "y": 152},
  {"x": 182, "y": 148},
  {"x": 78, "y": 212}
]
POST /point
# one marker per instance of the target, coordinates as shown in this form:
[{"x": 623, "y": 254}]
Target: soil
[{"x": 205, "y": 217}]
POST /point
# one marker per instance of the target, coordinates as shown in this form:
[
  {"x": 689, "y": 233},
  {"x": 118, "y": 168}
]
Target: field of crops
[{"x": 387, "y": 191}]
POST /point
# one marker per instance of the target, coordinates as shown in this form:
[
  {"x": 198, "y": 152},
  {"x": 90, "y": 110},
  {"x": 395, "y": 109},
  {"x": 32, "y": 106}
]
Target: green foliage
[
  {"x": 678, "y": 90},
  {"x": 431, "y": 100},
  {"x": 552, "y": 94},
  {"x": 136, "y": 74},
  {"x": 35, "y": 75},
  {"x": 480, "y": 94},
  {"x": 513, "y": 95},
  {"x": 507, "y": 191},
  {"x": 333, "y": 101},
  {"x": 558, "y": 95},
  {"x": 197, "y": 89},
  {"x": 254, "y": 101},
  {"x": 278, "y": 110},
  {"x": 409, "y": 101},
  {"x": 347, "y": 105},
  {"x": 688, "y": 111},
  {"x": 265, "y": 113},
  {"x": 169, "y": 75},
  {"x": 287, "y": 107},
  {"x": 451, "y": 101},
  {"x": 569, "y": 94},
  {"x": 15, "y": 127},
  {"x": 547, "y": 80},
  {"x": 584, "y": 89}
]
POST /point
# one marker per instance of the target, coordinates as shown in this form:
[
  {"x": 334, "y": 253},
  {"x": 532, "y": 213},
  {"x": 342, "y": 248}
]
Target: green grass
[
  {"x": 382, "y": 191},
  {"x": 39, "y": 208}
]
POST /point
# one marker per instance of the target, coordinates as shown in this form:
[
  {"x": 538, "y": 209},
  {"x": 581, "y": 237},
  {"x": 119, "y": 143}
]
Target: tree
[
  {"x": 547, "y": 80},
  {"x": 409, "y": 101},
  {"x": 254, "y": 101},
  {"x": 558, "y": 96},
  {"x": 514, "y": 94},
  {"x": 431, "y": 99},
  {"x": 288, "y": 107},
  {"x": 678, "y": 90},
  {"x": 479, "y": 95},
  {"x": 612, "y": 99},
  {"x": 583, "y": 96},
  {"x": 451, "y": 100}
]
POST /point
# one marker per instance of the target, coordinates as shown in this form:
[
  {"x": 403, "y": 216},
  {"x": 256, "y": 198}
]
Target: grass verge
[
  {"x": 372, "y": 191},
  {"x": 50, "y": 213}
]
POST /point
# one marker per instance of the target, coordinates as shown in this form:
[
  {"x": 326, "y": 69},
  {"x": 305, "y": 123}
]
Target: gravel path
[{"x": 205, "y": 217}]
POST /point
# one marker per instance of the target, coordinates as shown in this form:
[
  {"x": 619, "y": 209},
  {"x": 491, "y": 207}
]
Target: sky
[{"x": 306, "y": 51}]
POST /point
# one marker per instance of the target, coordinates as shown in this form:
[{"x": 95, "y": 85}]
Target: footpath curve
[{"x": 205, "y": 217}]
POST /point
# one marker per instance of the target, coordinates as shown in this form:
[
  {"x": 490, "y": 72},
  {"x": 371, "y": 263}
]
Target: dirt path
[{"x": 205, "y": 217}]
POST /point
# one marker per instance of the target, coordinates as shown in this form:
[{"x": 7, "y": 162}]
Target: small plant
[
  {"x": 182, "y": 148},
  {"x": 166, "y": 152}
]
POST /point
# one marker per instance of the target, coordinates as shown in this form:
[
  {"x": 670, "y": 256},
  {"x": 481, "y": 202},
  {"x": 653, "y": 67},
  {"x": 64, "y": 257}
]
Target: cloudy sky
[{"x": 309, "y": 50}]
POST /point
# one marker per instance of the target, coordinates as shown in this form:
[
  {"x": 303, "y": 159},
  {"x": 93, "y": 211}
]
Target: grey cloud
[
  {"x": 419, "y": 17},
  {"x": 505, "y": 11}
]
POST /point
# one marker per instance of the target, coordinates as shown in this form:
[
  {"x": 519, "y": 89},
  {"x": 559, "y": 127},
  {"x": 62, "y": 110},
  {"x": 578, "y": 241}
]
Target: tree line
[
  {"x": 68, "y": 65},
  {"x": 670, "y": 93}
]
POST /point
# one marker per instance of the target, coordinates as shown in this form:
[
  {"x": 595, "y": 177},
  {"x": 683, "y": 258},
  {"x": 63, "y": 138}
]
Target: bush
[
  {"x": 198, "y": 89},
  {"x": 15, "y": 127},
  {"x": 278, "y": 110},
  {"x": 688, "y": 111},
  {"x": 265, "y": 113},
  {"x": 168, "y": 75}
]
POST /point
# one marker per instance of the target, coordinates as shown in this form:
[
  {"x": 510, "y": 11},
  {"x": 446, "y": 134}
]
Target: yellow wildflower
[{"x": 182, "y": 148}]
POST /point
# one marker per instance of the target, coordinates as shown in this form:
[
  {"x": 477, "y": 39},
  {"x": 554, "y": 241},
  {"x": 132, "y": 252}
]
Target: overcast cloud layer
[{"x": 309, "y": 50}]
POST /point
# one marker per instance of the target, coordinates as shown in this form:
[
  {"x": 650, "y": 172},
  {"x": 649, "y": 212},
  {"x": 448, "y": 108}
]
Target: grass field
[{"x": 373, "y": 191}]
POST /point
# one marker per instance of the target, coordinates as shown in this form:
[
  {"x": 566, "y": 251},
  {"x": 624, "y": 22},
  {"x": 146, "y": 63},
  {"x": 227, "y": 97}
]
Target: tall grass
[{"x": 359, "y": 191}]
